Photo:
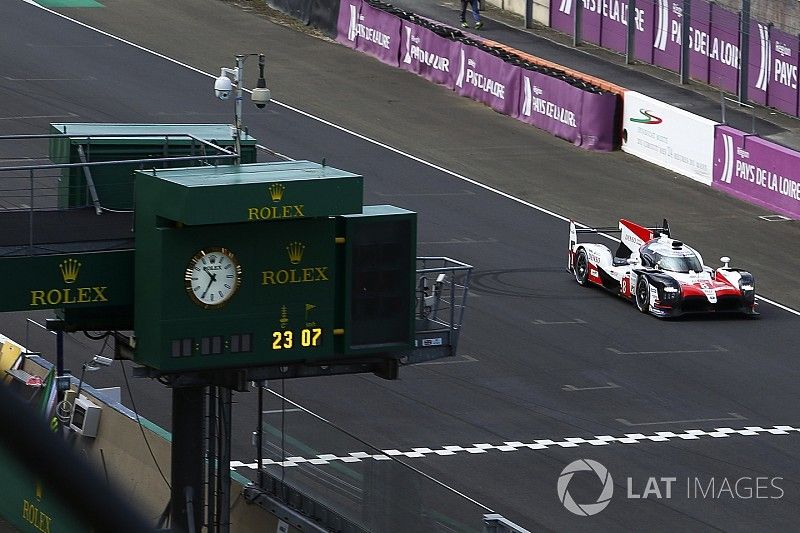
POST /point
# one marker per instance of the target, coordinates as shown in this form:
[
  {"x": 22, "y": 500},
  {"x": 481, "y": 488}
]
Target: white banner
[{"x": 668, "y": 136}]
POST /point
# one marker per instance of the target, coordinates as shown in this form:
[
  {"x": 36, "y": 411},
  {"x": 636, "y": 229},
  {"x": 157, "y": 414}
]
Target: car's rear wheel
[
  {"x": 643, "y": 294},
  {"x": 581, "y": 268}
]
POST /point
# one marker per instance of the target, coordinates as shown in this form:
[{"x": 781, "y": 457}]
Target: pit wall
[{"x": 120, "y": 449}]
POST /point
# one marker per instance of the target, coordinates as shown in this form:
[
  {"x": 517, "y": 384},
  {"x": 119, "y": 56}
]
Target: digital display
[{"x": 287, "y": 339}]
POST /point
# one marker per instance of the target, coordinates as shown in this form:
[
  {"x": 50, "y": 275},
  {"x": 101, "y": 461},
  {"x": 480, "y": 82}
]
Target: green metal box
[{"x": 116, "y": 142}]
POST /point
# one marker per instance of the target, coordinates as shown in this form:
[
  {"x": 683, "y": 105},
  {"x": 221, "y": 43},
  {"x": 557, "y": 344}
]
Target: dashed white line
[{"x": 515, "y": 446}]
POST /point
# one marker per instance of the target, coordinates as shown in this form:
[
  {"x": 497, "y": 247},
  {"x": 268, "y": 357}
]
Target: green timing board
[{"x": 254, "y": 265}]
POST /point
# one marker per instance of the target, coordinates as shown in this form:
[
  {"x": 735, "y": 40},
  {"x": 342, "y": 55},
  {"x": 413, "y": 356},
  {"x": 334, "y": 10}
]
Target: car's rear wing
[{"x": 632, "y": 236}]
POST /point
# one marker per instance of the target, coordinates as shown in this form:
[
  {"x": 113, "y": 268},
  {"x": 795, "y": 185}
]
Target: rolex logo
[
  {"x": 295, "y": 250},
  {"x": 276, "y": 192},
  {"x": 69, "y": 270}
]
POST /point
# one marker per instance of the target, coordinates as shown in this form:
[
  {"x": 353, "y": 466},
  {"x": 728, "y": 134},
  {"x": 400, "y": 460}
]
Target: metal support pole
[
  {"x": 576, "y": 30},
  {"x": 260, "y": 436},
  {"x": 744, "y": 50},
  {"x": 224, "y": 465},
  {"x": 187, "y": 457},
  {"x": 238, "y": 109},
  {"x": 60, "y": 361},
  {"x": 722, "y": 106},
  {"x": 630, "y": 43},
  {"x": 529, "y": 14},
  {"x": 30, "y": 215},
  {"x": 686, "y": 21}
]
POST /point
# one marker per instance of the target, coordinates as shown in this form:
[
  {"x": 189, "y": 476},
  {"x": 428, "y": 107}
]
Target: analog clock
[{"x": 212, "y": 277}]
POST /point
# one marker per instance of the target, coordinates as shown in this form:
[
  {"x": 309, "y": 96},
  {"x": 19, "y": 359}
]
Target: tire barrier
[
  {"x": 321, "y": 14},
  {"x": 511, "y": 83}
]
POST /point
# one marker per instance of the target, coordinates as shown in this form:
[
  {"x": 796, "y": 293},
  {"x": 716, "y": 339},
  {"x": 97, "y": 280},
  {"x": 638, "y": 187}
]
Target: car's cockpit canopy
[{"x": 670, "y": 255}]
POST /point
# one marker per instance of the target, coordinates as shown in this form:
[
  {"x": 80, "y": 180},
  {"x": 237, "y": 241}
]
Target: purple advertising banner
[
  {"x": 758, "y": 65},
  {"x": 713, "y": 34},
  {"x": 699, "y": 63},
  {"x": 488, "y": 79},
  {"x": 348, "y": 18},
  {"x": 429, "y": 55},
  {"x": 758, "y": 171},
  {"x": 773, "y": 68},
  {"x": 369, "y": 30},
  {"x": 721, "y": 45},
  {"x": 583, "y": 118}
]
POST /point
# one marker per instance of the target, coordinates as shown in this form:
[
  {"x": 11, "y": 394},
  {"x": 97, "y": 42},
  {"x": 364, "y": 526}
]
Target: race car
[{"x": 660, "y": 275}]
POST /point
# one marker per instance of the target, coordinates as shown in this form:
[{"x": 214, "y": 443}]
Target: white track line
[
  {"x": 365, "y": 138},
  {"x": 539, "y": 444}
]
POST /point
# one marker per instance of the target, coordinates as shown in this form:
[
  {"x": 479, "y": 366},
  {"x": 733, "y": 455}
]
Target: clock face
[{"x": 212, "y": 277}]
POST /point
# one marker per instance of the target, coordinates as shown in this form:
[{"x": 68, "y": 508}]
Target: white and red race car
[{"x": 661, "y": 275}]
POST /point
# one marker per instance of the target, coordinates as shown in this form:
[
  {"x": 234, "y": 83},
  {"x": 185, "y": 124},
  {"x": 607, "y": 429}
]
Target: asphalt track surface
[{"x": 541, "y": 358}]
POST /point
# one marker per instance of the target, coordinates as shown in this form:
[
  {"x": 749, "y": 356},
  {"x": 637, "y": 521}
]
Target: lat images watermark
[{"x": 701, "y": 488}]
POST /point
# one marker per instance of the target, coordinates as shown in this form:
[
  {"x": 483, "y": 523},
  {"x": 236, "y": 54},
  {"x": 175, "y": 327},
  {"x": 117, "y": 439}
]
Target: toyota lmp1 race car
[{"x": 661, "y": 275}]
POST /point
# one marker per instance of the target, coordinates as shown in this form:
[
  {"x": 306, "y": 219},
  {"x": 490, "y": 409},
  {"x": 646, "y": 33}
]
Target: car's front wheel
[
  {"x": 643, "y": 294},
  {"x": 581, "y": 267}
]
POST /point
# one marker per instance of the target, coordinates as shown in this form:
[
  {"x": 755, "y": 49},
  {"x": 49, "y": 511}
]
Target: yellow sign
[
  {"x": 275, "y": 212},
  {"x": 295, "y": 251},
  {"x": 69, "y": 269},
  {"x": 35, "y": 516},
  {"x": 276, "y": 192}
]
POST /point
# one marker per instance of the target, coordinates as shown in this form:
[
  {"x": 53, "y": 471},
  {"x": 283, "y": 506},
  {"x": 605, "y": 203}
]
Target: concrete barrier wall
[{"x": 541, "y": 8}]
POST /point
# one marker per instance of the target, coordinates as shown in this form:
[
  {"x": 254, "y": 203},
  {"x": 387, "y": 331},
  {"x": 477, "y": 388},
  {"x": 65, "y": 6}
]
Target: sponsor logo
[
  {"x": 533, "y": 103},
  {"x": 414, "y": 52},
  {"x": 467, "y": 73},
  {"x": 358, "y": 29},
  {"x": 650, "y": 118},
  {"x": 284, "y": 276},
  {"x": 662, "y": 26},
  {"x": 766, "y": 55},
  {"x": 69, "y": 269},
  {"x": 585, "y": 509},
  {"x": 750, "y": 173}
]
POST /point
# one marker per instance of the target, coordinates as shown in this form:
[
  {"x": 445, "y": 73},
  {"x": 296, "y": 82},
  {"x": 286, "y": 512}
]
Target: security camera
[
  {"x": 223, "y": 87},
  {"x": 260, "y": 96}
]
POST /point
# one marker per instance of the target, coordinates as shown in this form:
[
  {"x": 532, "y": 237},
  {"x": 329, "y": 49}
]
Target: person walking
[{"x": 475, "y": 14}]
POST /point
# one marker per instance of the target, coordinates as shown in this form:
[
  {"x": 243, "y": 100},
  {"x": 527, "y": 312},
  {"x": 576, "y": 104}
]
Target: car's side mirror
[{"x": 725, "y": 261}]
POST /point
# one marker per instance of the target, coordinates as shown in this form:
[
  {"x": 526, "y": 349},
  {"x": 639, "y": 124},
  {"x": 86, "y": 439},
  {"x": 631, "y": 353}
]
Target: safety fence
[{"x": 726, "y": 49}]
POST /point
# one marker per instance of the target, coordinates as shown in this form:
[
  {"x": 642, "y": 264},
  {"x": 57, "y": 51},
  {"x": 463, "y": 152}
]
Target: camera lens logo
[{"x": 585, "y": 509}]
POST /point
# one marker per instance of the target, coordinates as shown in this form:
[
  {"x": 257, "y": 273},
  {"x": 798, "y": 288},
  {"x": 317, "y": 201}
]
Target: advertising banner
[
  {"x": 668, "y": 136},
  {"x": 487, "y": 79},
  {"x": 773, "y": 68},
  {"x": 583, "y": 118},
  {"x": 713, "y": 35},
  {"x": 757, "y": 171},
  {"x": 759, "y": 62},
  {"x": 721, "y": 45},
  {"x": 369, "y": 30},
  {"x": 429, "y": 55},
  {"x": 348, "y": 19}
]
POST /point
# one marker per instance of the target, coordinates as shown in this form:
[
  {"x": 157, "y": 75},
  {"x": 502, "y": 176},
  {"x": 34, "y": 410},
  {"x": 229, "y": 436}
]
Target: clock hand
[{"x": 210, "y": 281}]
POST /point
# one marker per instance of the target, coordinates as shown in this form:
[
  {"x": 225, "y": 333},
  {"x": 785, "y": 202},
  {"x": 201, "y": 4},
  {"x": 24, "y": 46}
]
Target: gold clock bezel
[{"x": 187, "y": 276}]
